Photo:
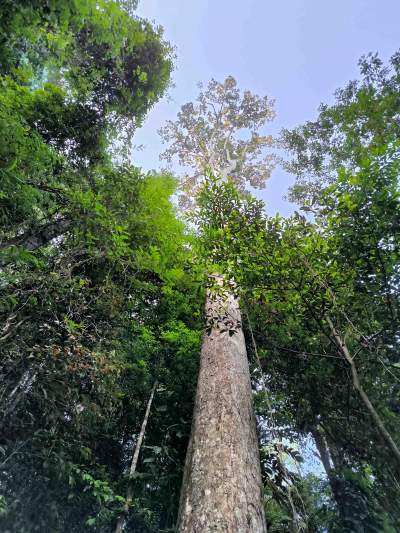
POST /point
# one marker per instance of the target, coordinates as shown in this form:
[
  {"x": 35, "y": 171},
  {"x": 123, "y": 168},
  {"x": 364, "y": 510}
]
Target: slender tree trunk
[
  {"x": 23, "y": 386},
  {"x": 328, "y": 462},
  {"x": 222, "y": 489},
  {"x": 323, "y": 450},
  {"x": 354, "y": 509},
  {"x": 387, "y": 438},
  {"x": 122, "y": 518}
]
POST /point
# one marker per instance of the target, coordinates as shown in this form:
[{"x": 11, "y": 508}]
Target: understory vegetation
[{"x": 103, "y": 282}]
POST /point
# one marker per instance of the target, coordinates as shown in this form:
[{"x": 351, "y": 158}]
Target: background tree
[
  {"x": 209, "y": 135},
  {"x": 363, "y": 118}
]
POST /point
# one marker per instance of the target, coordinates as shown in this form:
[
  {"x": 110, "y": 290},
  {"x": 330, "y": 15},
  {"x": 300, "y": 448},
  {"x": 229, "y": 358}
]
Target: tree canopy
[{"x": 103, "y": 282}]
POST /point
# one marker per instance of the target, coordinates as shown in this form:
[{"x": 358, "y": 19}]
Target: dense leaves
[
  {"x": 102, "y": 285},
  {"x": 364, "y": 117},
  {"x": 96, "y": 298}
]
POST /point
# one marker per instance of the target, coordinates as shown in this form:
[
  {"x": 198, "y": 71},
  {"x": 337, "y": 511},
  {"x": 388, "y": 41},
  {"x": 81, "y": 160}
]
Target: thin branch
[
  {"x": 387, "y": 438},
  {"x": 122, "y": 518}
]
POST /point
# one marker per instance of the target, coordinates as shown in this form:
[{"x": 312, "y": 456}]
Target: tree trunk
[
  {"x": 332, "y": 472},
  {"x": 222, "y": 489},
  {"x": 122, "y": 518},
  {"x": 355, "y": 510},
  {"x": 23, "y": 386},
  {"x": 323, "y": 450}
]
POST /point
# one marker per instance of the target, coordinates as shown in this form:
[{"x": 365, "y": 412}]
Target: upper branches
[{"x": 209, "y": 135}]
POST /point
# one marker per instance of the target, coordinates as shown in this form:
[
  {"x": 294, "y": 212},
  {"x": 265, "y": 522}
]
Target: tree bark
[
  {"x": 23, "y": 386},
  {"x": 328, "y": 462},
  {"x": 122, "y": 518},
  {"x": 222, "y": 489},
  {"x": 354, "y": 509},
  {"x": 323, "y": 450}
]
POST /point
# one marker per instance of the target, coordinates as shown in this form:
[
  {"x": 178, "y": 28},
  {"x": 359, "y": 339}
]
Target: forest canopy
[{"x": 104, "y": 281}]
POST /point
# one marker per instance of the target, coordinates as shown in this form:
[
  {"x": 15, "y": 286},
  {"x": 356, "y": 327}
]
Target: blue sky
[{"x": 295, "y": 51}]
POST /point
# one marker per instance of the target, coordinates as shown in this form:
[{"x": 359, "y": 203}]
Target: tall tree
[
  {"x": 222, "y": 481},
  {"x": 295, "y": 277}
]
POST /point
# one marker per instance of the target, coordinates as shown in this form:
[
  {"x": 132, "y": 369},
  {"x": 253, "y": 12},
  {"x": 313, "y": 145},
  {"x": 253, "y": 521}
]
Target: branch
[
  {"x": 35, "y": 238},
  {"x": 358, "y": 387},
  {"x": 7, "y": 335},
  {"x": 132, "y": 470}
]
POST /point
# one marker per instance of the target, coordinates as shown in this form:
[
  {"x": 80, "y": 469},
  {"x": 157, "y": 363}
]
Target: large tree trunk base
[{"x": 221, "y": 489}]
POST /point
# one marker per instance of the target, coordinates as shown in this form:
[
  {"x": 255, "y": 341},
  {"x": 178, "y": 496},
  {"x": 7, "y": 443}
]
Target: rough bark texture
[
  {"x": 328, "y": 462},
  {"x": 221, "y": 489}
]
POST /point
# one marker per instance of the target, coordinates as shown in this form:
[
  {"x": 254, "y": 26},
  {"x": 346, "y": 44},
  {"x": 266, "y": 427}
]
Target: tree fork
[{"x": 222, "y": 488}]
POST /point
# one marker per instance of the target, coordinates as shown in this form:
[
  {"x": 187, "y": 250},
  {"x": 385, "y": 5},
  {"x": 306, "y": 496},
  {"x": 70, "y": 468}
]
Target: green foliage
[
  {"x": 98, "y": 295},
  {"x": 363, "y": 118},
  {"x": 291, "y": 274},
  {"x": 114, "y": 65},
  {"x": 99, "y": 325},
  {"x": 102, "y": 286}
]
